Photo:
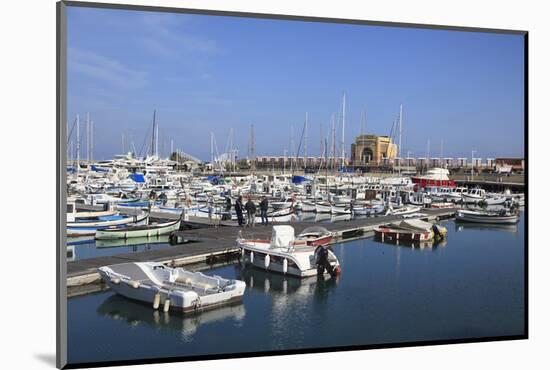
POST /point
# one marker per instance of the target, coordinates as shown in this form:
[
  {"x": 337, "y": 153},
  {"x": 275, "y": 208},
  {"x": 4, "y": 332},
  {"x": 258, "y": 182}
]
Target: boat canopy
[
  {"x": 282, "y": 236},
  {"x": 137, "y": 177},
  {"x": 299, "y": 179},
  {"x": 415, "y": 225}
]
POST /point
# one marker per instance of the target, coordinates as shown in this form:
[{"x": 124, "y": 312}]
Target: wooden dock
[{"x": 213, "y": 244}]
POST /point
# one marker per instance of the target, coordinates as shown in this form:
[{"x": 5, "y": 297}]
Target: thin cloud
[
  {"x": 163, "y": 38},
  {"x": 105, "y": 69}
]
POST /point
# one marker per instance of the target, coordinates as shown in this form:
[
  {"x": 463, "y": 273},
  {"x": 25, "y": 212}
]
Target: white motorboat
[
  {"x": 475, "y": 195},
  {"x": 286, "y": 254},
  {"x": 455, "y": 194},
  {"x": 488, "y": 217},
  {"x": 173, "y": 288},
  {"x": 494, "y": 200}
]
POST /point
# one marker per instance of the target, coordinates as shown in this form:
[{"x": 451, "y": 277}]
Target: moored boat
[
  {"x": 410, "y": 230},
  {"x": 341, "y": 208},
  {"x": 503, "y": 216},
  {"x": 308, "y": 206},
  {"x": 323, "y": 207},
  {"x": 138, "y": 231},
  {"x": 315, "y": 236},
  {"x": 286, "y": 254},
  {"x": 173, "y": 288}
]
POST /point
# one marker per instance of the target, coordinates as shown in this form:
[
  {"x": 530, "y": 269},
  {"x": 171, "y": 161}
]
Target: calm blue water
[{"x": 471, "y": 286}]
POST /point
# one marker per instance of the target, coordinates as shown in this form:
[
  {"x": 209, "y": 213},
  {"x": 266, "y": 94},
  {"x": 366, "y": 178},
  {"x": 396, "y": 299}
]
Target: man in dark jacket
[
  {"x": 263, "y": 210},
  {"x": 250, "y": 212},
  {"x": 239, "y": 210}
]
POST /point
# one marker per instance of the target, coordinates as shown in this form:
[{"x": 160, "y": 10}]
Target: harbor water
[{"x": 469, "y": 286}]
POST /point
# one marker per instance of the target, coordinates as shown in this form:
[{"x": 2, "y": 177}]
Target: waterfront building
[{"x": 373, "y": 150}]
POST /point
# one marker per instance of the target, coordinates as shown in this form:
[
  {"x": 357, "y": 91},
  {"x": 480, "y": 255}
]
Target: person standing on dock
[
  {"x": 250, "y": 212},
  {"x": 263, "y": 210},
  {"x": 239, "y": 210},
  {"x": 210, "y": 205}
]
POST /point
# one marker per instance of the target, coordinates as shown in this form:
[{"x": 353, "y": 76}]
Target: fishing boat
[
  {"x": 315, "y": 236},
  {"x": 173, "y": 288},
  {"x": 494, "y": 200},
  {"x": 78, "y": 229},
  {"x": 288, "y": 255},
  {"x": 403, "y": 210},
  {"x": 410, "y": 230},
  {"x": 139, "y": 231},
  {"x": 503, "y": 216},
  {"x": 474, "y": 195},
  {"x": 323, "y": 207},
  {"x": 308, "y": 206},
  {"x": 341, "y": 208},
  {"x": 104, "y": 221},
  {"x": 283, "y": 204},
  {"x": 367, "y": 210}
]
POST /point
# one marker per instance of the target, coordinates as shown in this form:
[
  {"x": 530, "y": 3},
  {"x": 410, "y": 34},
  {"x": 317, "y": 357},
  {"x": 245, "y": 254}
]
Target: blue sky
[{"x": 212, "y": 73}]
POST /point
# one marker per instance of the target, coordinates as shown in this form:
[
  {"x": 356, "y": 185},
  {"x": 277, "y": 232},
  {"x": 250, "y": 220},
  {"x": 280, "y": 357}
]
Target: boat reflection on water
[
  {"x": 131, "y": 242},
  {"x": 463, "y": 226},
  {"x": 285, "y": 285},
  {"x": 137, "y": 313},
  {"x": 339, "y": 218},
  {"x": 71, "y": 254},
  {"x": 418, "y": 245}
]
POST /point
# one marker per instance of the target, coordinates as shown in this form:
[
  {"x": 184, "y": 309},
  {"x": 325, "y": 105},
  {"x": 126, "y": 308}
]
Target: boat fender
[
  {"x": 134, "y": 284},
  {"x": 242, "y": 253},
  {"x": 251, "y": 257},
  {"x": 285, "y": 266},
  {"x": 156, "y": 301},
  {"x": 166, "y": 304},
  {"x": 266, "y": 261},
  {"x": 115, "y": 280}
]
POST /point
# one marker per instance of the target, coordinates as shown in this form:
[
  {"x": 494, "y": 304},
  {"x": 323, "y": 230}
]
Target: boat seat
[{"x": 200, "y": 289}]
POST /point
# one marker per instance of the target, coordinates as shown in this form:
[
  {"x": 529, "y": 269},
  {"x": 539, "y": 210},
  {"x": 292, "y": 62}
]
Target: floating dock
[{"x": 207, "y": 245}]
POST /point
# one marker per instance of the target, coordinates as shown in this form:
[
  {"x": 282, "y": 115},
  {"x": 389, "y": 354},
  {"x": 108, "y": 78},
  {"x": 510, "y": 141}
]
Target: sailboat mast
[
  {"x": 400, "y": 129},
  {"x": 88, "y": 137},
  {"x": 157, "y": 140},
  {"x": 153, "y": 134},
  {"x": 77, "y": 143},
  {"x": 305, "y": 142},
  {"x": 343, "y": 128},
  {"x": 92, "y": 140},
  {"x": 212, "y": 150}
]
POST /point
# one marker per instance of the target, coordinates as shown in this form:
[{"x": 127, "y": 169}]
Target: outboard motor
[
  {"x": 323, "y": 263},
  {"x": 437, "y": 232}
]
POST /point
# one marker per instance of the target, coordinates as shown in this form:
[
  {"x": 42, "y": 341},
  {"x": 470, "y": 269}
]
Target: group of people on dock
[{"x": 250, "y": 208}]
